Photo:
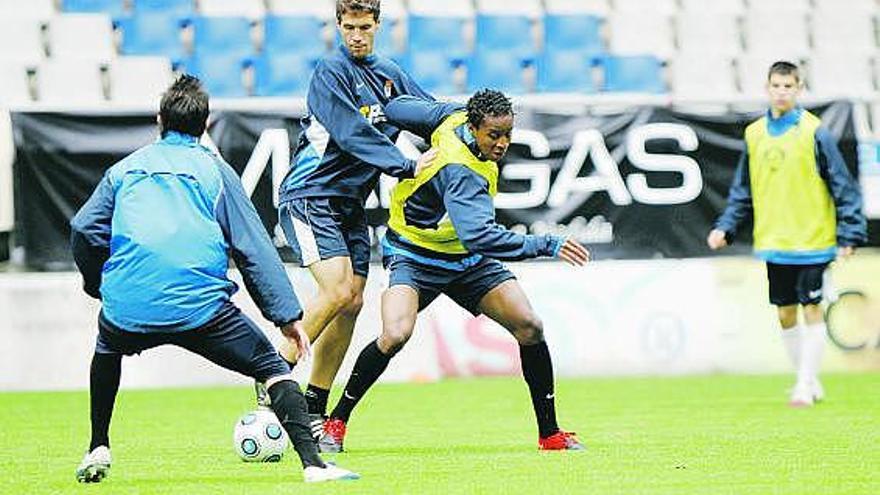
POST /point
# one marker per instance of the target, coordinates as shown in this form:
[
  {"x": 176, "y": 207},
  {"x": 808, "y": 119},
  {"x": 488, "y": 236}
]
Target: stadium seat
[
  {"x": 66, "y": 81},
  {"x": 180, "y": 9},
  {"x": 771, "y": 33},
  {"x": 14, "y": 87},
  {"x": 302, "y": 35},
  {"x": 434, "y": 71},
  {"x": 561, "y": 71},
  {"x": 25, "y": 36},
  {"x": 435, "y": 33},
  {"x": 599, "y": 8},
  {"x": 703, "y": 77},
  {"x": 732, "y": 7},
  {"x": 825, "y": 70},
  {"x": 529, "y": 8},
  {"x": 81, "y": 37},
  {"x": 509, "y": 33},
  {"x": 752, "y": 74},
  {"x": 282, "y": 74},
  {"x": 393, "y": 10},
  {"x": 220, "y": 73},
  {"x": 633, "y": 33},
  {"x": 324, "y": 9},
  {"x": 842, "y": 29},
  {"x": 442, "y": 8},
  {"x": 634, "y": 73},
  {"x": 578, "y": 32},
  {"x": 113, "y": 8},
  {"x": 224, "y": 36},
  {"x": 495, "y": 69},
  {"x": 709, "y": 32},
  {"x": 856, "y": 7},
  {"x": 252, "y": 9},
  {"x": 777, "y": 6},
  {"x": 139, "y": 80},
  {"x": 42, "y": 10},
  {"x": 649, "y": 7},
  {"x": 152, "y": 33}
]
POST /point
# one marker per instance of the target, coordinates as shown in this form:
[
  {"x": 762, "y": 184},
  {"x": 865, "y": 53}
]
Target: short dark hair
[
  {"x": 184, "y": 107},
  {"x": 784, "y": 68},
  {"x": 345, "y": 6},
  {"x": 487, "y": 102}
]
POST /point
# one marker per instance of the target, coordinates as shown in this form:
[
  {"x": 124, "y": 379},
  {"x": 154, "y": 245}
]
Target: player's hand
[
  {"x": 425, "y": 161},
  {"x": 297, "y": 338},
  {"x": 844, "y": 252},
  {"x": 573, "y": 253},
  {"x": 717, "y": 239}
]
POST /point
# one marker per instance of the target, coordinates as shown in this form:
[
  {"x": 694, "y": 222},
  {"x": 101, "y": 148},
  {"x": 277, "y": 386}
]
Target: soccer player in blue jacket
[
  {"x": 346, "y": 143},
  {"x": 443, "y": 239},
  {"x": 153, "y": 243},
  {"x": 792, "y": 180}
]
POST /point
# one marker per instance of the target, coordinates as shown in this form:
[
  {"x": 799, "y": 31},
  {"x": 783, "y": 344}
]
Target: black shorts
[
  {"x": 327, "y": 227},
  {"x": 795, "y": 284},
  {"x": 465, "y": 287},
  {"x": 230, "y": 340}
]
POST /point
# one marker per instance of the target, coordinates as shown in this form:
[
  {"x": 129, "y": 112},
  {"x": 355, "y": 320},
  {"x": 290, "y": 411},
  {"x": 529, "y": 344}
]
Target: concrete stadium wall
[
  {"x": 610, "y": 318},
  {"x": 7, "y": 156}
]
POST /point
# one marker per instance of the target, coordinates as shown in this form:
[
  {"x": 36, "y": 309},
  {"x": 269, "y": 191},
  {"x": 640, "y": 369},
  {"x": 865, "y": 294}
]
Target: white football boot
[
  {"x": 95, "y": 466},
  {"x": 315, "y": 474}
]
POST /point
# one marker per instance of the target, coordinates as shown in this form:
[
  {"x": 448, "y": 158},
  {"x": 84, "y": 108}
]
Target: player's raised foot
[
  {"x": 818, "y": 390},
  {"x": 332, "y": 437},
  {"x": 561, "y": 440},
  {"x": 801, "y": 396},
  {"x": 262, "y": 394},
  {"x": 315, "y": 474},
  {"x": 95, "y": 466},
  {"x": 316, "y": 424}
]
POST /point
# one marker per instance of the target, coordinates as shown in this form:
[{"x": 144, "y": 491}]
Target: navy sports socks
[
  {"x": 289, "y": 405},
  {"x": 537, "y": 369},
  {"x": 316, "y": 399},
  {"x": 370, "y": 364},
  {"x": 103, "y": 385}
]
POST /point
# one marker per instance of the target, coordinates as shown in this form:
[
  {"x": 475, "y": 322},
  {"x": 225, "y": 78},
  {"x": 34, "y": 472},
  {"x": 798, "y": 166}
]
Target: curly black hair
[
  {"x": 344, "y": 6},
  {"x": 487, "y": 102},
  {"x": 184, "y": 107}
]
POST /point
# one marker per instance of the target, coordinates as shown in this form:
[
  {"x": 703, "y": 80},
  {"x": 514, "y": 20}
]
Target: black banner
[{"x": 641, "y": 183}]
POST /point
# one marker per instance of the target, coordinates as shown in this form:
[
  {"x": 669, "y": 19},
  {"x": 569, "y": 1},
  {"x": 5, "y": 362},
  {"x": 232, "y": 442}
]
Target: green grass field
[{"x": 714, "y": 435}]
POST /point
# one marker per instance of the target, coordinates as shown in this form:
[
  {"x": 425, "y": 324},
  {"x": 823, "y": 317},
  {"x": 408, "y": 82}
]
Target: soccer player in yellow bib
[
  {"x": 807, "y": 210},
  {"x": 442, "y": 238}
]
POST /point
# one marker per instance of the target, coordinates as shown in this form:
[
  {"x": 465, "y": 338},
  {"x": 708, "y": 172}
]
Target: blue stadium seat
[
  {"x": 282, "y": 74},
  {"x": 565, "y": 71},
  {"x": 434, "y": 71},
  {"x": 510, "y": 33},
  {"x": 181, "y": 9},
  {"x": 495, "y": 69},
  {"x": 634, "y": 73},
  {"x": 432, "y": 33},
  {"x": 224, "y": 36},
  {"x": 294, "y": 34},
  {"x": 152, "y": 33},
  {"x": 221, "y": 74},
  {"x": 114, "y": 8},
  {"x": 573, "y": 32}
]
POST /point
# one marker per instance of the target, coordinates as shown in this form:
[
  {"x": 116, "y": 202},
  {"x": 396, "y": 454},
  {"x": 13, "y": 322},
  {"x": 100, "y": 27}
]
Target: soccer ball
[{"x": 259, "y": 437}]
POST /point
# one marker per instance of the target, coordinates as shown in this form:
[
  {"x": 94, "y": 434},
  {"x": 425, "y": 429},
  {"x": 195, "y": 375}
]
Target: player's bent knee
[
  {"x": 353, "y": 305},
  {"x": 393, "y": 339},
  {"x": 530, "y": 331}
]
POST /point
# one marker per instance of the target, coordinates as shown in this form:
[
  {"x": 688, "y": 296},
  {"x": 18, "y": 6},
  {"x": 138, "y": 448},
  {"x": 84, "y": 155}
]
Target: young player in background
[
  {"x": 345, "y": 145},
  {"x": 442, "y": 239},
  {"x": 807, "y": 210},
  {"x": 152, "y": 242}
]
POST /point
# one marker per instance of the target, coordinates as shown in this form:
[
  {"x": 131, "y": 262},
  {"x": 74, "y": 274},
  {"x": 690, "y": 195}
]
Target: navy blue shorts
[
  {"x": 466, "y": 288},
  {"x": 327, "y": 227},
  {"x": 795, "y": 284},
  {"x": 230, "y": 340}
]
